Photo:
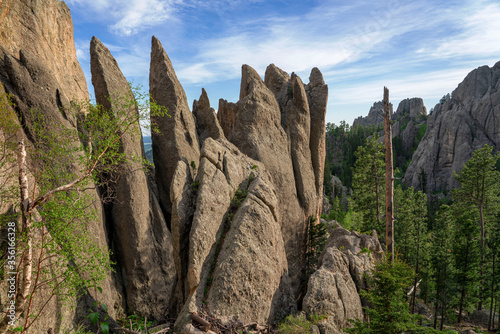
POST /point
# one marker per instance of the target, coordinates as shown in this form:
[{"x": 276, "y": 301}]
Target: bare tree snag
[{"x": 389, "y": 178}]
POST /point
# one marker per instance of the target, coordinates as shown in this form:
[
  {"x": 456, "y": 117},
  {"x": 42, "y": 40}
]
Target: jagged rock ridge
[{"x": 458, "y": 126}]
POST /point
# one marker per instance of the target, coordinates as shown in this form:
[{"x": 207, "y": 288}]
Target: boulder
[
  {"x": 142, "y": 241},
  {"x": 333, "y": 289},
  {"x": 177, "y": 138}
]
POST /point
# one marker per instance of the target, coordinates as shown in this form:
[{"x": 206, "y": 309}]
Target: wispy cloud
[
  {"x": 132, "y": 16},
  {"x": 324, "y": 37},
  {"x": 429, "y": 85}
]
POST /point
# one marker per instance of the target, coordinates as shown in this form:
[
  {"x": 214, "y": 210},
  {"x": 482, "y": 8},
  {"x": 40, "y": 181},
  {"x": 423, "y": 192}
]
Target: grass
[{"x": 299, "y": 323}]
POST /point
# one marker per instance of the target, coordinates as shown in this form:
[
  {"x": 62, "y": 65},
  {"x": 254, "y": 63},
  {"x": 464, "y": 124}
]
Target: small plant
[
  {"x": 299, "y": 324},
  {"x": 255, "y": 167},
  {"x": 341, "y": 248},
  {"x": 94, "y": 316},
  {"x": 365, "y": 251},
  {"x": 195, "y": 185},
  {"x": 136, "y": 323},
  {"x": 193, "y": 164}
]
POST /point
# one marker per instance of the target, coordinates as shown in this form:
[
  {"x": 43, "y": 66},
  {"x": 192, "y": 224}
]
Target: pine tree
[
  {"x": 442, "y": 241},
  {"x": 480, "y": 189},
  {"x": 389, "y": 312},
  {"x": 411, "y": 229},
  {"x": 369, "y": 185}
]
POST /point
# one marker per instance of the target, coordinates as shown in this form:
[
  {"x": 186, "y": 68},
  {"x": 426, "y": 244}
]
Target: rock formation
[
  {"x": 409, "y": 125},
  {"x": 207, "y": 125},
  {"x": 458, "y": 126},
  {"x": 236, "y": 261},
  {"x": 223, "y": 223},
  {"x": 375, "y": 116},
  {"x": 141, "y": 240},
  {"x": 177, "y": 138},
  {"x": 413, "y": 108},
  {"x": 333, "y": 290},
  {"x": 39, "y": 68}
]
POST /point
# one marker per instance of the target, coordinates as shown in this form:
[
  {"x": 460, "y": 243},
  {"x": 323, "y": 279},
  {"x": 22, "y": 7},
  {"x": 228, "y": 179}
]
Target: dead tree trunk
[{"x": 389, "y": 178}]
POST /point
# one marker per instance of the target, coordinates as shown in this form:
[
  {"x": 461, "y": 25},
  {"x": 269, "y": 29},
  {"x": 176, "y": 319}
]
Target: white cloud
[
  {"x": 131, "y": 16},
  {"x": 479, "y": 29},
  {"x": 427, "y": 85},
  {"x": 324, "y": 37}
]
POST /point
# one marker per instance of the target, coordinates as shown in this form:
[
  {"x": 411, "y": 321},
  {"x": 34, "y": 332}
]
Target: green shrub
[{"x": 299, "y": 324}]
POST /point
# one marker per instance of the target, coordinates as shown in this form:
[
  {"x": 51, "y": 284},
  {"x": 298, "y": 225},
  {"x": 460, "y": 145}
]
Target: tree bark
[
  {"x": 464, "y": 282},
  {"x": 490, "y": 325},
  {"x": 23, "y": 288},
  {"x": 483, "y": 247},
  {"x": 389, "y": 179}
]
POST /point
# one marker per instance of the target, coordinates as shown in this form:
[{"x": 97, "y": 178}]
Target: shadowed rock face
[
  {"x": 139, "y": 232},
  {"x": 45, "y": 29},
  {"x": 177, "y": 139},
  {"x": 463, "y": 123},
  {"x": 39, "y": 68}
]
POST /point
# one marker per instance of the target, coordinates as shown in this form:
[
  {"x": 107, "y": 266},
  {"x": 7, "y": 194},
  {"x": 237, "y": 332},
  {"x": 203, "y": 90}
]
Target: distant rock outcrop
[
  {"x": 457, "y": 127},
  {"x": 142, "y": 242},
  {"x": 375, "y": 116},
  {"x": 409, "y": 126},
  {"x": 413, "y": 108}
]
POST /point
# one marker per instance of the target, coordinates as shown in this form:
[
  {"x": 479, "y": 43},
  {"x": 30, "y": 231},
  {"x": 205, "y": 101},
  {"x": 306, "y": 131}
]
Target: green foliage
[
  {"x": 389, "y": 312},
  {"x": 299, "y": 324},
  {"x": 410, "y": 226},
  {"x": 369, "y": 185},
  {"x": 255, "y": 167},
  {"x": 317, "y": 237},
  {"x": 65, "y": 163},
  {"x": 420, "y": 134},
  {"x": 136, "y": 323},
  {"x": 193, "y": 165},
  {"x": 342, "y": 142}
]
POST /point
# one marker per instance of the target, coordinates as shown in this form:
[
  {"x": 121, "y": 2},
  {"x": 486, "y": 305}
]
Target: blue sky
[{"x": 415, "y": 48}]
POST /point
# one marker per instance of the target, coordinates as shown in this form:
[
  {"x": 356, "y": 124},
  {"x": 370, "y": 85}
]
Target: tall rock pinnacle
[
  {"x": 177, "y": 139},
  {"x": 138, "y": 229}
]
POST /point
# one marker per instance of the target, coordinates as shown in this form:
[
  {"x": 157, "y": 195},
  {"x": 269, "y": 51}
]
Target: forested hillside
[{"x": 447, "y": 230}]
